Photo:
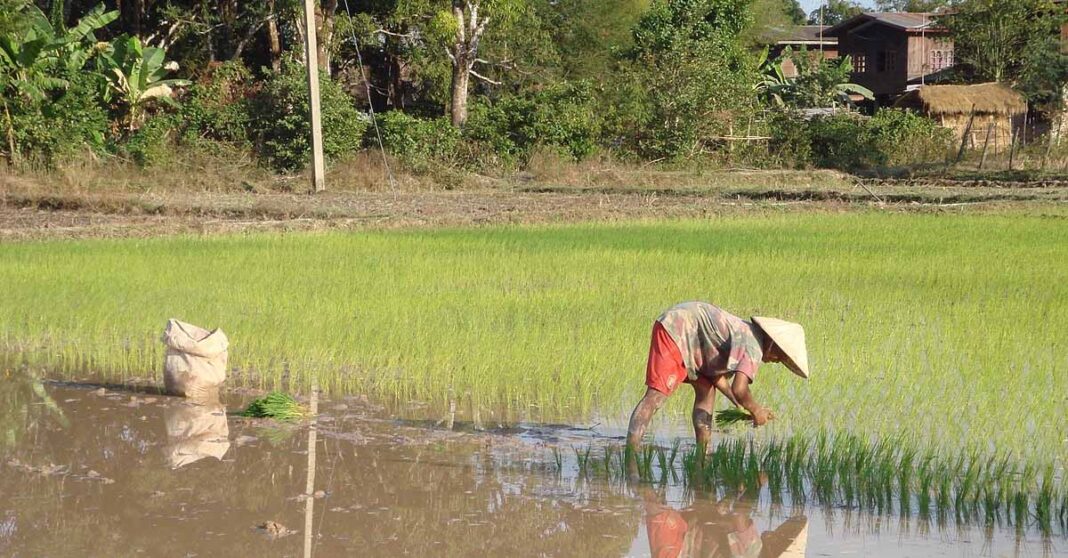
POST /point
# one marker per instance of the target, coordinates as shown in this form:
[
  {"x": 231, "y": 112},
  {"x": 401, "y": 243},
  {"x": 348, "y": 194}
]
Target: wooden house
[{"x": 893, "y": 51}]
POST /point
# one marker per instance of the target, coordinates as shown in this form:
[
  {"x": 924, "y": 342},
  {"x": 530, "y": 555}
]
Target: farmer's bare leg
[
  {"x": 642, "y": 414},
  {"x": 723, "y": 384},
  {"x": 704, "y": 401}
]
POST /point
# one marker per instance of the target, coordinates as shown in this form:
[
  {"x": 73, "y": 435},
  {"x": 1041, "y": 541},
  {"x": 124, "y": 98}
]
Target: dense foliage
[
  {"x": 280, "y": 125},
  {"x": 476, "y": 84},
  {"x": 1014, "y": 42}
]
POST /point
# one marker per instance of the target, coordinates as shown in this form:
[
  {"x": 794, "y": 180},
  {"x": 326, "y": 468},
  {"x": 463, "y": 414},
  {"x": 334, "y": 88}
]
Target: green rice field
[{"x": 947, "y": 331}]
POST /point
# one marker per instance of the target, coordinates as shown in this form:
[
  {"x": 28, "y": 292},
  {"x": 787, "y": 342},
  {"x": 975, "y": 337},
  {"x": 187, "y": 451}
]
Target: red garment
[
  {"x": 664, "y": 370},
  {"x": 667, "y": 533}
]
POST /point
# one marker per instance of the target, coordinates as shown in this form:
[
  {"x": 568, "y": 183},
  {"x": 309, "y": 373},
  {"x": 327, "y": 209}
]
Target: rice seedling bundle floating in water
[
  {"x": 731, "y": 416},
  {"x": 276, "y": 405}
]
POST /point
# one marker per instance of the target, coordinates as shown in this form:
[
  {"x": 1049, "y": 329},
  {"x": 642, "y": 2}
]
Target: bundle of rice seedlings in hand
[
  {"x": 276, "y": 405},
  {"x": 731, "y": 416}
]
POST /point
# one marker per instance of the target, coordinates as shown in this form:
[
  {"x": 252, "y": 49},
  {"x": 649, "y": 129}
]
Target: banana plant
[
  {"x": 819, "y": 83},
  {"x": 136, "y": 77},
  {"x": 772, "y": 84},
  {"x": 31, "y": 62}
]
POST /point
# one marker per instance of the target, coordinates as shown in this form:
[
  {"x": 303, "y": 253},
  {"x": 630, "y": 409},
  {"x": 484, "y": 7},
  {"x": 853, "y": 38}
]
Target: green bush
[
  {"x": 215, "y": 107},
  {"x": 419, "y": 142},
  {"x": 841, "y": 141},
  {"x": 281, "y": 128},
  {"x": 790, "y": 145},
  {"x": 59, "y": 126},
  {"x": 906, "y": 138},
  {"x": 152, "y": 143},
  {"x": 890, "y": 138},
  {"x": 563, "y": 116},
  {"x": 687, "y": 81}
]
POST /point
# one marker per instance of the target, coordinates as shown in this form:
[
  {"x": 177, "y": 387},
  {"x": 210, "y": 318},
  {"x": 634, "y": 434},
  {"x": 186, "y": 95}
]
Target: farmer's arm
[
  {"x": 740, "y": 387},
  {"x": 643, "y": 413}
]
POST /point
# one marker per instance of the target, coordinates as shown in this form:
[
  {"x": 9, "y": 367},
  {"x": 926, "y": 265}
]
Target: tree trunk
[
  {"x": 274, "y": 40},
  {"x": 298, "y": 24},
  {"x": 133, "y": 16},
  {"x": 396, "y": 82},
  {"x": 325, "y": 13},
  {"x": 460, "y": 77},
  {"x": 463, "y": 53},
  {"x": 209, "y": 36}
]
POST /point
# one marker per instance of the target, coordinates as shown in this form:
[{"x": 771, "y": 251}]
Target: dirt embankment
[{"x": 32, "y": 208}]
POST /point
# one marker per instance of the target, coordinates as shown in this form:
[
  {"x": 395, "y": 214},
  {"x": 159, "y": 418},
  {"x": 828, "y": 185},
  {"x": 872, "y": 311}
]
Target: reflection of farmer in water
[
  {"x": 707, "y": 347},
  {"x": 709, "y": 529}
]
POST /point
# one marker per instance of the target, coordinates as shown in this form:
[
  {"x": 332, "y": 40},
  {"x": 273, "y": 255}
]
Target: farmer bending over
[{"x": 707, "y": 347}]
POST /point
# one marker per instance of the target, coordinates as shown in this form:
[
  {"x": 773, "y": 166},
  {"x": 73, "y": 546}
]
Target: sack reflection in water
[{"x": 195, "y": 431}]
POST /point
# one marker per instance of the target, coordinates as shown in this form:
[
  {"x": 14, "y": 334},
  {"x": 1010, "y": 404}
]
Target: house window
[
  {"x": 860, "y": 63},
  {"x": 941, "y": 59},
  {"x": 886, "y": 61}
]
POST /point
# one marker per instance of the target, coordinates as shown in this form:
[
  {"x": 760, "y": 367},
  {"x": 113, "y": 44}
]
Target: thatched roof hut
[
  {"x": 987, "y": 112},
  {"x": 984, "y": 98}
]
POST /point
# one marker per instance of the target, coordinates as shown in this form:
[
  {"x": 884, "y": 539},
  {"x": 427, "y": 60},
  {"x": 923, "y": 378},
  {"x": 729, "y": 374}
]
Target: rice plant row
[{"x": 884, "y": 476}]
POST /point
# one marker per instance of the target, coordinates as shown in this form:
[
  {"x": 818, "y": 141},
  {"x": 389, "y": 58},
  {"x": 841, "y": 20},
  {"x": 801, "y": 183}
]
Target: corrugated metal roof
[
  {"x": 798, "y": 34},
  {"x": 810, "y": 33},
  {"x": 906, "y": 21}
]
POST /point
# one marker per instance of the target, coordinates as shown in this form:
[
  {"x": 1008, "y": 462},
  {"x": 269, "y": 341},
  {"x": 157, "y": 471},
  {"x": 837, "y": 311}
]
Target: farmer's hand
[{"x": 761, "y": 416}]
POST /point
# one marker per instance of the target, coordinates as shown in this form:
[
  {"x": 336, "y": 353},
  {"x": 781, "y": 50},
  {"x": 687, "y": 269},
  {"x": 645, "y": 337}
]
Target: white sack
[{"x": 195, "y": 365}]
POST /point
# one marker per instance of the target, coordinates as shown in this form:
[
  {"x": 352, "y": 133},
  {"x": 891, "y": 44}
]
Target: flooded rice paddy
[{"x": 123, "y": 471}]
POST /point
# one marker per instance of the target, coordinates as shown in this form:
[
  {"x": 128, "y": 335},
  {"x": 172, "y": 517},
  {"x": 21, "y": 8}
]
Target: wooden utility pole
[{"x": 311, "y": 63}]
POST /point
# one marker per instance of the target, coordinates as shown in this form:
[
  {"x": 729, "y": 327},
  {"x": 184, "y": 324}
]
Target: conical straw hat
[{"x": 789, "y": 337}]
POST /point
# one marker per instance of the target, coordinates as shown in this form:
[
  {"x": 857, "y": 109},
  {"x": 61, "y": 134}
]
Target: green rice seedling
[
  {"x": 645, "y": 464},
  {"x": 945, "y": 491},
  {"x": 1064, "y": 509},
  {"x": 558, "y": 460},
  {"x": 968, "y": 485},
  {"x": 675, "y": 447},
  {"x": 276, "y": 405},
  {"x": 904, "y": 479},
  {"x": 1020, "y": 509},
  {"x": 582, "y": 458},
  {"x": 925, "y": 474},
  {"x": 726, "y": 418},
  {"x": 991, "y": 503},
  {"x": 1044, "y": 501},
  {"x": 609, "y": 452}
]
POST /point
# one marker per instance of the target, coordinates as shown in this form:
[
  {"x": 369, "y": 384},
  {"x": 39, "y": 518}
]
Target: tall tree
[
  {"x": 468, "y": 24},
  {"x": 834, "y": 12},
  {"x": 1015, "y": 42},
  {"x": 771, "y": 18},
  {"x": 588, "y": 32},
  {"x": 794, "y": 11},
  {"x": 991, "y": 36},
  {"x": 687, "y": 81}
]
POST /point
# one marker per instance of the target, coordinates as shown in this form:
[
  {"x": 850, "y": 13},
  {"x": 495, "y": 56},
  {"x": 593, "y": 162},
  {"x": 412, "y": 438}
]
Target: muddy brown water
[{"x": 125, "y": 472}]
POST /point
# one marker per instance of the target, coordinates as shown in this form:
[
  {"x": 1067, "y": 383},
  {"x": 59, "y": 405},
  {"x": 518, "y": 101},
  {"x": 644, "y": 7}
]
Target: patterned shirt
[{"x": 712, "y": 341}]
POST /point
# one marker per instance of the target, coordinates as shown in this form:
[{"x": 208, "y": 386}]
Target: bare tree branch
[{"x": 483, "y": 78}]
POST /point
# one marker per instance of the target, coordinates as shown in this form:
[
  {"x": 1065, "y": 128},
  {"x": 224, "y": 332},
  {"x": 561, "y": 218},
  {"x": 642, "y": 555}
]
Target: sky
[{"x": 810, "y": 5}]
